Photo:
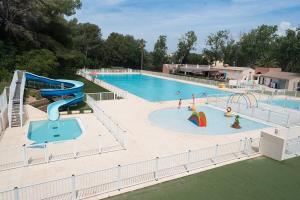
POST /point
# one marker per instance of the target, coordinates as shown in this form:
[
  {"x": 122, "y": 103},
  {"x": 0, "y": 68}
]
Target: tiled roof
[{"x": 282, "y": 75}]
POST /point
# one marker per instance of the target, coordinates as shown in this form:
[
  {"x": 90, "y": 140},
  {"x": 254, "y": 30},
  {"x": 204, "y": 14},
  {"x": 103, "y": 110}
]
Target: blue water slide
[{"x": 68, "y": 87}]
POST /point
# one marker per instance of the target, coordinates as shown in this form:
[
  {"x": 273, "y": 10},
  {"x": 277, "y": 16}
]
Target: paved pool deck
[{"x": 144, "y": 141}]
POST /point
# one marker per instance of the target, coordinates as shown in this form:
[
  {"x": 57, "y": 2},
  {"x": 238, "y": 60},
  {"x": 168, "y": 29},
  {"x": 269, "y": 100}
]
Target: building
[
  {"x": 224, "y": 72},
  {"x": 263, "y": 70},
  {"x": 236, "y": 73},
  {"x": 280, "y": 80}
]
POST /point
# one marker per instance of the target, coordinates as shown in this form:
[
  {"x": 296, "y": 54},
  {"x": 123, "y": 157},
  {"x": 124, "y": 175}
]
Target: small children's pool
[
  {"x": 287, "y": 103},
  {"x": 217, "y": 124},
  {"x": 52, "y": 131}
]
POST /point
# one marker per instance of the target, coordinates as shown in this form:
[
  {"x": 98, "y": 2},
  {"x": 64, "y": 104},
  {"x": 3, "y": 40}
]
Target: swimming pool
[
  {"x": 158, "y": 89},
  {"x": 217, "y": 124},
  {"x": 52, "y": 131},
  {"x": 287, "y": 103}
]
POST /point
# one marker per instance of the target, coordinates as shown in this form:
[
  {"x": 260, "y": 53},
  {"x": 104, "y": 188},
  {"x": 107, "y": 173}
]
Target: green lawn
[
  {"x": 256, "y": 179},
  {"x": 89, "y": 87}
]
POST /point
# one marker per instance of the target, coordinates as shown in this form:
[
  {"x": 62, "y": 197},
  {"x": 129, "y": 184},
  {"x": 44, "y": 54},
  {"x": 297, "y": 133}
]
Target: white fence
[
  {"x": 279, "y": 117},
  {"x": 12, "y": 89},
  {"x": 278, "y": 92},
  {"x": 107, "y": 121},
  {"x": 282, "y": 144},
  {"x": 119, "y": 177},
  {"x": 22, "y": 88},
  {"x": 282, "y": 101},
  {"x": 109, "y": 71},
  {"x": 292, "y": 148},
  {"x": 121, "y": 93},
  {"x": 3, "y": 111},
  {"x": 292, "y": 144},
  {"x": 186, "y": 78},
  {"x": 27, "y": 155},
  {"x": 103, "y": 96}
]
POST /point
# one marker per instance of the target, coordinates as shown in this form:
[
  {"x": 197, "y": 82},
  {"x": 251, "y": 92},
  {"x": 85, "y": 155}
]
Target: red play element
[
  {"x": 202, "y": 119},
  {"x": 199, "y": 119}
]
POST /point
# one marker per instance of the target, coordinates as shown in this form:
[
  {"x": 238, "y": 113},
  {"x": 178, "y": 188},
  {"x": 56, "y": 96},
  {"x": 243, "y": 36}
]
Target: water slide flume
[{"x": 68, "y": 88}]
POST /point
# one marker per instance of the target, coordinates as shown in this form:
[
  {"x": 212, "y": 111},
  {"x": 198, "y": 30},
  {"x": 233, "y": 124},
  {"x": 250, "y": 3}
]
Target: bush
[{"x": 42, "y": 62}]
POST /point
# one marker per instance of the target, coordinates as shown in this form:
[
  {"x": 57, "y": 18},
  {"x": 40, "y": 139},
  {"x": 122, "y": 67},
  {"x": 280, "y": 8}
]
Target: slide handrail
[{"x": 12, "y": 89}]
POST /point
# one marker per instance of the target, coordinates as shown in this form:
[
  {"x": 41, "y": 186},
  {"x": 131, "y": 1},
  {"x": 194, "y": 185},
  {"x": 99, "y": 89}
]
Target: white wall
[{"x": 272, "y": 146}]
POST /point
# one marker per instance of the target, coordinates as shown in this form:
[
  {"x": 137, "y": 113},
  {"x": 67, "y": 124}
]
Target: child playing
[{"x": 179, "y": 103}]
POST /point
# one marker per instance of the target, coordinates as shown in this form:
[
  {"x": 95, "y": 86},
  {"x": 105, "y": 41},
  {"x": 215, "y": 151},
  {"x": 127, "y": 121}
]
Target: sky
[{"x": 148, "y": 19}]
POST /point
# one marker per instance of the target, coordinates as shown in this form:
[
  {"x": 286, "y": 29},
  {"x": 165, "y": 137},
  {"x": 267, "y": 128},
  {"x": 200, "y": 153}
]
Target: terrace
[{"x": 133, "y": 152}]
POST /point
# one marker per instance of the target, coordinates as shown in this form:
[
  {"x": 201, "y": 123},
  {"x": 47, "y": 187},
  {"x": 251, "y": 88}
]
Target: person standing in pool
[{"x": 179, "y": 103}]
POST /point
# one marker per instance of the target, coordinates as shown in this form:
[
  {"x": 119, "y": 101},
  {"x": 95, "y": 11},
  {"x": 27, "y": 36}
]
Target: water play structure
[
  {"x": 71, "y": 92},
  {"x": 228, "y": 112},
  {"x": 249, "y": 99},
  {"x": 198, "y": 118}
]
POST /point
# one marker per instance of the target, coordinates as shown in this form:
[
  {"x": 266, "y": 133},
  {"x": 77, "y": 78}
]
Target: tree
[
  {"x": 185, "y": 45},
  {"x": 257, "y": 44},
  {"x": 87, "y": 39},
  {"x": 42, "y": 62},
  {"x": 217, "y": 46},
  {"x": 120, "y": 50},
  {"x": 142, "y": 44},
  {"x": 287, "y": 51},
  {"x": 160, "y": 51},
  {"x": 195, "y": 58}
]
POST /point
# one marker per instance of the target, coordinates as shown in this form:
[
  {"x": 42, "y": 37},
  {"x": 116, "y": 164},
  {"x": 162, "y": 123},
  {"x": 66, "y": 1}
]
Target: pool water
[
  {"x": 158, "y": 89},
  {"x": 52, "y": 131},
  {"x": 217, "y": 124},
  {"x": 287, "y": 103}
]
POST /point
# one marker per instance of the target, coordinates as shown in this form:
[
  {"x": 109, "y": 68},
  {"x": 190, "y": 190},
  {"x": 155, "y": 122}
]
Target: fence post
[
  {"x": 119, "y": 177},
  {"x": 25, "y": 155},
  {"x": 99, "y": 145},
  {"x": 249, "y": 146},
  {"x": 216, "y": 154},
  {"x": 241, "y": 146},
  {"x": 74, "y": 148},
  {"x": 188, "y": 161},
  {"x": 156, "y": 169},
  {"x": 288, "y": 120},
  {"x": 269, "y": 115},
  {"x": 16, "y": 193},
  {"x": 73, "y": 187},
  {"x": 46, "y": 152},
  {"x": 245, "y": 146}
]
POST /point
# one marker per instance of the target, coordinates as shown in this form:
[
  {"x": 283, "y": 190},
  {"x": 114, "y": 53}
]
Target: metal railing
[
  {"x": 109, "y": 71},
  {"x": 292, "y": 147},
  {"x": 284, "y": 101},
  {"x": 22, "y": 88},
  {"x": 3, "y": 111},
  {"x": 123, "y": 176},
  {"x": 42, "y": 153},
  {"x": 279, "y": 117},
  {"x": 278, "y": 92},
  {"x": 3, "y": 100},
  {"x": 186, "y": 78},
  {"x": 107, "y": 121},
  {"x": 121, "y": 93},
  {"x": 103, "y": 96},
  {"x": 12, "y": 89}
]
